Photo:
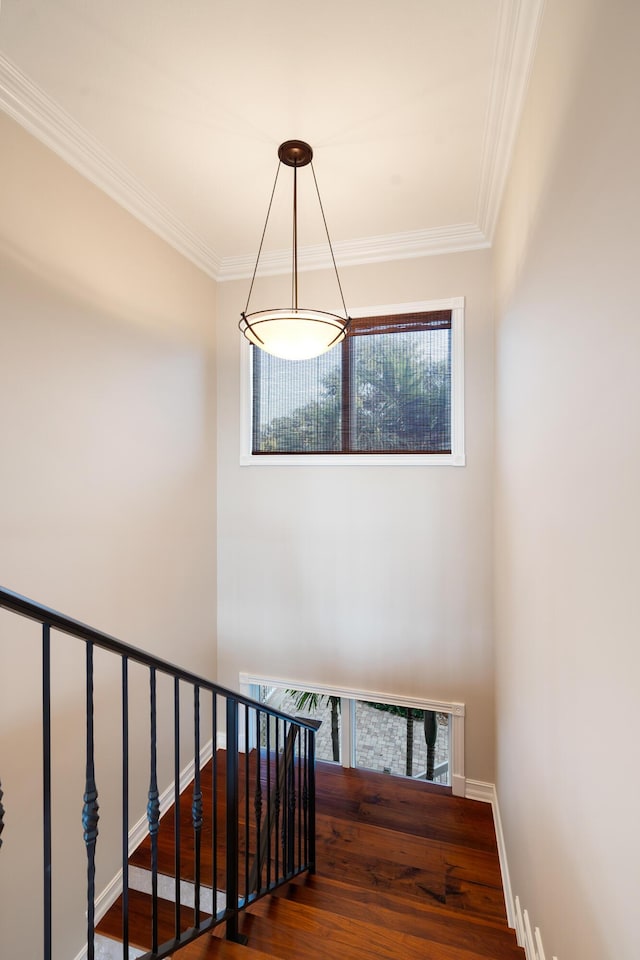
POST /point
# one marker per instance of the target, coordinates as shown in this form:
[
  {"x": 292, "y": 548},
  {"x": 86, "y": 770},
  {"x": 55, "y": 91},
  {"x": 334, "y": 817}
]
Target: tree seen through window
[{"x": 385, "y": 389}]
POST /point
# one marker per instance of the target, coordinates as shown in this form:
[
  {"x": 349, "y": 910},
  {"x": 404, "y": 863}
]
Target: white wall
[
  {"x": 567, "y": 481},
  {"x": 377, "y": 578},
  {"x": 107, "y": 501}
]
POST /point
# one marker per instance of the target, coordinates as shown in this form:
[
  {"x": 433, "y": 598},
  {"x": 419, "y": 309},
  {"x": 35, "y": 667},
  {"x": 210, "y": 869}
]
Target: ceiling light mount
[
  {"x": 294, "y": 333},
  {"x": 295, "y": 153}
]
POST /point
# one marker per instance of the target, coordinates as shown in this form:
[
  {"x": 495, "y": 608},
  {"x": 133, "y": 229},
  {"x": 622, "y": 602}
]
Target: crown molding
[
  {"x": 518, "y": 30},
  {"x": 349, "y": 253},
  {"x": 41, "y": 116},
  {"x": 519, "y": 22}
]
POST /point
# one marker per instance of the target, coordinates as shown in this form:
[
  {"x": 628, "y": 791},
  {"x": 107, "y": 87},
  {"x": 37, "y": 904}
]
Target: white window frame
[{"x": 454, "y": 459}]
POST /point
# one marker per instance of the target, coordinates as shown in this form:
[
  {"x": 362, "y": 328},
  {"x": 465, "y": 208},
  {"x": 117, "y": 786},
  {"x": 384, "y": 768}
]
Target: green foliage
[
  {"x": 402, "y": 398},
  {"x": 314, "y": 426},
  {"x": 397, "y": 711},
  {"x": 304, "y": 700}
]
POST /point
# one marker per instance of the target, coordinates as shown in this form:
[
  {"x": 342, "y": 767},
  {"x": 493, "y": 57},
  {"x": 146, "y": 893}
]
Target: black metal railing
[{"x": 243, "y": 826}]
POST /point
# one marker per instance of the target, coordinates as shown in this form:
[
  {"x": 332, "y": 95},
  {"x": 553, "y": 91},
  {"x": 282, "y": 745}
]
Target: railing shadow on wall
[{"x": 250, "y": 822}]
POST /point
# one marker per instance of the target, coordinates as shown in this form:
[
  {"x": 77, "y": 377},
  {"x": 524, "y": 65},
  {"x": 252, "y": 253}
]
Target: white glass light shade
[{"x": 294, "y": 334}]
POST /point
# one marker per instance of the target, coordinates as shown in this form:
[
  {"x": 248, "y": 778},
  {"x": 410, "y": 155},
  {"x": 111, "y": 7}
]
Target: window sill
[{"x": 355, "y": 460}]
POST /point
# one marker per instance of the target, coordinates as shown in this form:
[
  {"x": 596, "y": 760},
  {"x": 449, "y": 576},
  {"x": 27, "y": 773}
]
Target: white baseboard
[
  {"x": 139, "y": 831},
  {"x": 486, "y": 792},
  {"x": 517, "y": 918},
  {"x": 532, "y": 942},
  {"x": 458, "y": 785},
  {"x": 479, "y": 790}
]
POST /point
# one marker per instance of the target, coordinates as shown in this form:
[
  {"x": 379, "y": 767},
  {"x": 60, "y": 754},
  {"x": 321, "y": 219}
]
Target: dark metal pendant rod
[
  {"x": 264, "y": 230},
  {"x": 295, "y": 237},
  {"x": 326, "y": 230}
]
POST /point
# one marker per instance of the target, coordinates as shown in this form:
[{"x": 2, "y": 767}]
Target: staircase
[
  {"x": 229, "y": 837},
  {"x": 292, "y": 858},
  {"x": 405, "y": 871}
]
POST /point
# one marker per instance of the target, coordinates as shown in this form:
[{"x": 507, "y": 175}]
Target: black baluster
[
  {"x": 284, "y": 778},
  {"x": 1, "y": 814},
  {"x": 311, "y": 765},
  {"x": 291, "y": 778},
  {"x": 46, "y": 786},
  {"x": 246, "y": 802},
  {"x": 214, "y": 812},
  {"x": 125, "y": 807},
  {"x": 276, "y": 804},
  {"x": 196, "y": 806},
  {"x": 257, "y": 804},
  {"x": 269, "y": 818},
  {"x": 153, "y": 810},
  {"x": 305, "y": 798},
  {"x": 90, "y": 811},
  {"x": 176, "y": 800},
  {"x": 299, "y": 802}
]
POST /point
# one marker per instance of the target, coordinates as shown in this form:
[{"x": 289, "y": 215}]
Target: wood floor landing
[{"x": 405, "y": 871}]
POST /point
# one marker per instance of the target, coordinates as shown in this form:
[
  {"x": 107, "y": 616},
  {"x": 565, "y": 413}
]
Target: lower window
[{"x": 383, "y": 737}]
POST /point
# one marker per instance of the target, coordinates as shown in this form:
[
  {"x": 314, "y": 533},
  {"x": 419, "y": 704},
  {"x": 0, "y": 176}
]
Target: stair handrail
[
  {"x": 51, "y": 619},
  {"x": 59, "y": 621}
]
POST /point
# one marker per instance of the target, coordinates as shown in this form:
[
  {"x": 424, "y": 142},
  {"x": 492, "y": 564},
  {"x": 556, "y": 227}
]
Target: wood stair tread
[
  {"x": 407, "y": 806},
  {"x": 396, "y": 913},
  {"x": 404, "y": 870},
  {"x": 396, "y": 902},
  {"x": 424, "y": 870},
  {"x": 369, "y": 853},
  {"x": 209, "y": 947},
  {"x": 295, "y": 931},
  {"x": 333, "y": 772}
]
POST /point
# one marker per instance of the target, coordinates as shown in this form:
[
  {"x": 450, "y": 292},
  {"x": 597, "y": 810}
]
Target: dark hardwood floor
[{"x": 405, "y": 871}]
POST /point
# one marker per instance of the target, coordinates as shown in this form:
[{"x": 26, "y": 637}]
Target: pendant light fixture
[{"x": 294, "y": 333}]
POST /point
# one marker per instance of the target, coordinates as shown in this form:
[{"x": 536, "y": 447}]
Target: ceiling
[{"x": 176, "y": 110}]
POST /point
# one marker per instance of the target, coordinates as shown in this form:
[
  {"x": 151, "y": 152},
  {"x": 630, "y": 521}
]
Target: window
[
  {"x": 398, "y": 735},
  {"x": 391, "y": 392}
]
